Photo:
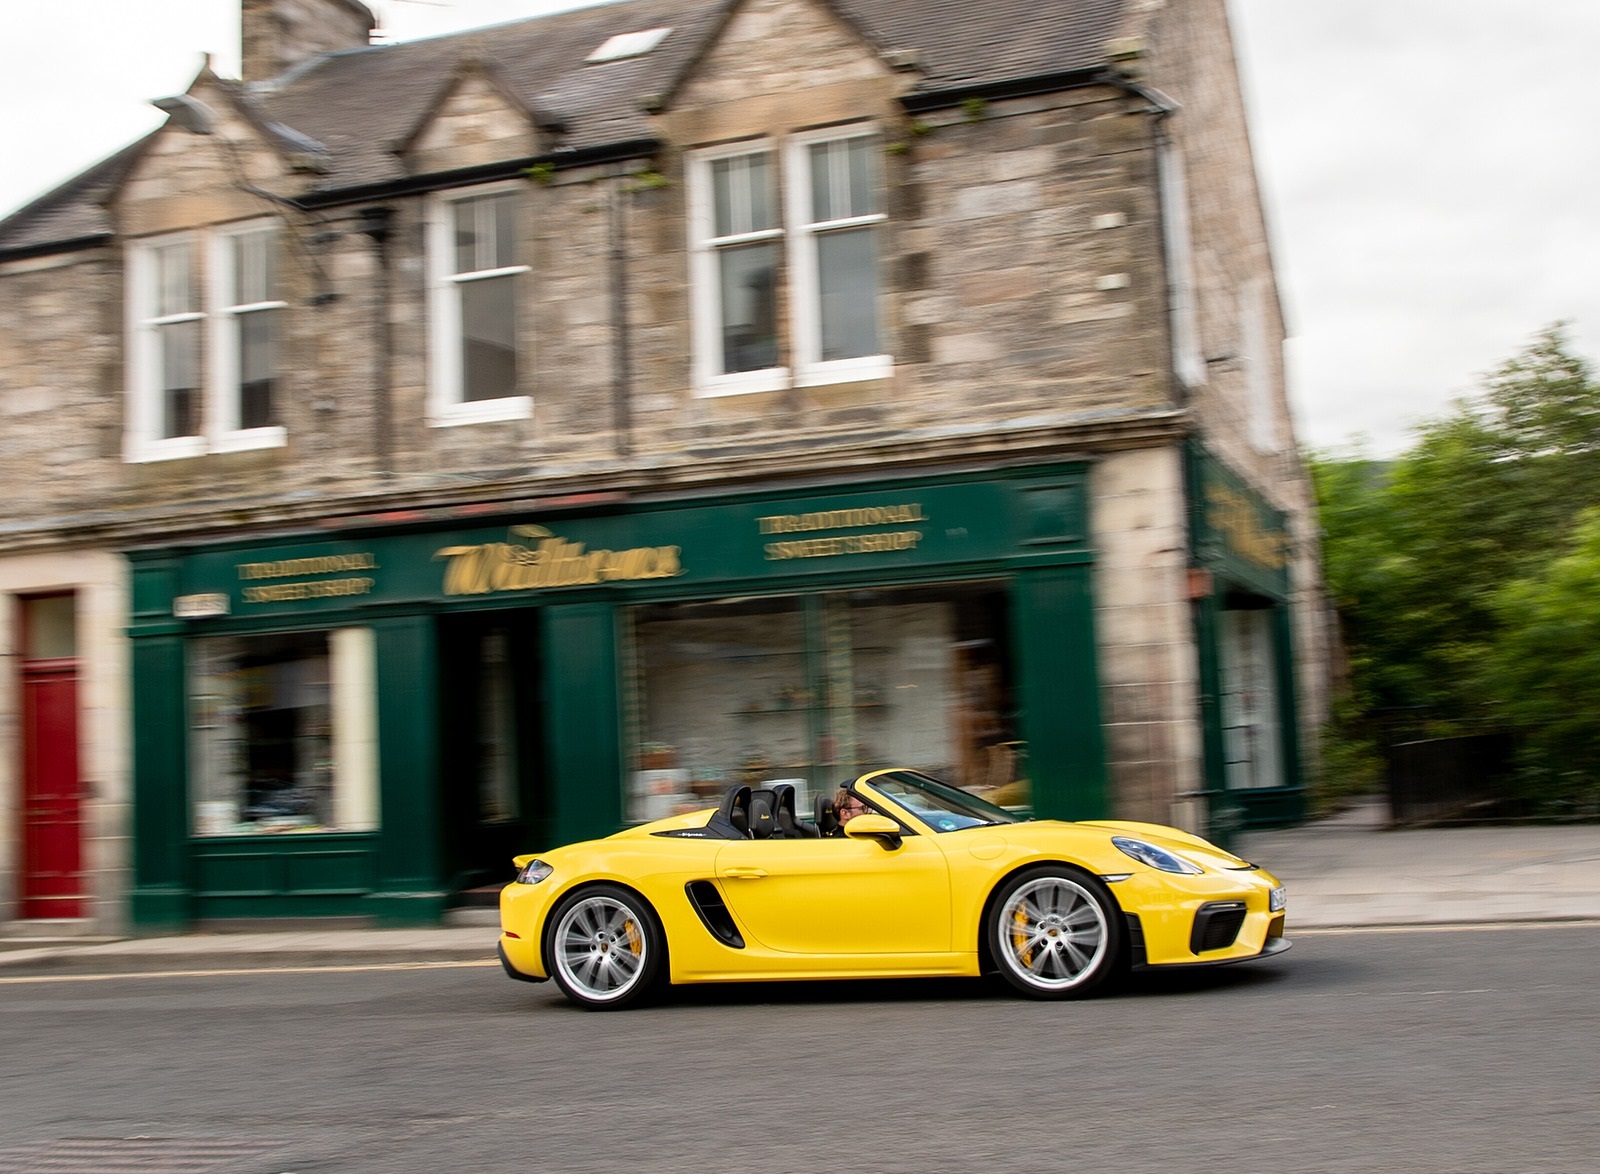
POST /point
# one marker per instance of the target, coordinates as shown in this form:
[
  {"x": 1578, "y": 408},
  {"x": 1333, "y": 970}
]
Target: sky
[{"x": 1426, "y": 168}]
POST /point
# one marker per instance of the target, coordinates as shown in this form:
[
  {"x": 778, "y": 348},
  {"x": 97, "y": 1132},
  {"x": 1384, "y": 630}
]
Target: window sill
[
  {"x": 845, "y": 371},
  {"x": 516, "y": 407},
  {"x": 246, "y": 440},
  {"x": 744, "y": 383},
  {"x": 143, "y": 452}
]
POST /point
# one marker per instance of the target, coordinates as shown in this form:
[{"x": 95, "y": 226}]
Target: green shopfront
[
  {"x": 368, "y": 719},
  {"x": 1245, "y": 637}
]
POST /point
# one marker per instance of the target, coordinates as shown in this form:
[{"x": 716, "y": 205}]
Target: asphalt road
[{"x": 1416, "y": 1050}]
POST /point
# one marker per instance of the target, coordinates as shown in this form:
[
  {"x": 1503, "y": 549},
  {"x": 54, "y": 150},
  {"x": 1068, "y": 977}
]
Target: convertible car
[{"x": 928, "y": 880}]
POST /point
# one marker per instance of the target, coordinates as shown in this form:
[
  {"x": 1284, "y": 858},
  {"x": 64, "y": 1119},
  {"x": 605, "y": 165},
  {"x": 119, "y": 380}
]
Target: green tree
[
  {"x": 1437, "y": 559},
  {"x": 1545, "y": 669}
]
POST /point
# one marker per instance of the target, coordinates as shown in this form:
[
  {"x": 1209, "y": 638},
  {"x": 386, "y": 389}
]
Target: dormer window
[
  {"x": 204, "y": 352},
  {"x": 813, "y": 252}
]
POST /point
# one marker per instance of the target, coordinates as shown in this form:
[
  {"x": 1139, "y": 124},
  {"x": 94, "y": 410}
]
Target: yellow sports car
[{"x": 926, "y": 880}]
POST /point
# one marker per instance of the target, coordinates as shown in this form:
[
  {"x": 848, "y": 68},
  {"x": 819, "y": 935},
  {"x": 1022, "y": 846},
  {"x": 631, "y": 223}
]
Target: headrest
[
  {"x": 734, "y": 810},
  {"x": 783, "y": 801},
  {"x": 761, "y": 815},
  {"x": 827, "y": 818}
]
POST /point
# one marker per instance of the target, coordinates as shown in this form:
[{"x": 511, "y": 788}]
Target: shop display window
[
  {"x": 283, "y": 733},
  {"x": 816, "y": 689}
]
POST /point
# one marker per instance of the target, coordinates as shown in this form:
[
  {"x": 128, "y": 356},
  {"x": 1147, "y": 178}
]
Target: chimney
[{"x": 277, "y": 35}]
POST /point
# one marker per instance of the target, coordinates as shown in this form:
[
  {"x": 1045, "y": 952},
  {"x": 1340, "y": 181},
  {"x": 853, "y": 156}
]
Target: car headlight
[
  {"x": 534, "y": 871},
  {"x": 1278, "y": 900},
  {"x": 1158, "y": 858}
]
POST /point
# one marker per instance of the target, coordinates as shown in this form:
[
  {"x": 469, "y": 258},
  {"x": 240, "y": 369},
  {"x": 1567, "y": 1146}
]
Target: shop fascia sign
[
  {"x": 543, "y": 559},
  {"x": 708, "y": 543},
  {"x": 1248, "y": 529}
]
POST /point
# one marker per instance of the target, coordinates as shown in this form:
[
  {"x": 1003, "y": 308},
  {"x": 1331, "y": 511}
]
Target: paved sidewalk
[
  {"x": 469, "y": 937},
  {"x": 1354, "y": 870},
  {"x": 1350, "y": 871}
]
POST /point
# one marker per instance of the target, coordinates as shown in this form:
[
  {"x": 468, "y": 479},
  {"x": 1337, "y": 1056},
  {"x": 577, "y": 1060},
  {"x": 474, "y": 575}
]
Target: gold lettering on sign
[
  {"x": 314, "y": 589},
  {"x": 875, "y": 515},
  {"x": 851, "y": 519},
  {"x": 1232, "y": 515},
  {"x": 549, "y": 562},
  {"x": 330, "y": 564},
  {"x": 846, "y": 544}
]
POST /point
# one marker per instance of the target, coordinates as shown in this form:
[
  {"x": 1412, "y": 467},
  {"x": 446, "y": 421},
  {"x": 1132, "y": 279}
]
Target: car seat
[
  {"x": 827, "y": 819},
  {"x": 732, "y": 817},
  {"x": 788, "y": 822},
  {"x": 762, "y": 822}
]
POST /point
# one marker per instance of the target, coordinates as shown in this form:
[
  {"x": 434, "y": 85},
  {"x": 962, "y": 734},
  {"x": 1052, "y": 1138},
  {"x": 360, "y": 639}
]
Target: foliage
[
  {"x": 647, "y": 180},
  {"x": 1458, "y": 569},
  {"x": 1545, "y": 667}
]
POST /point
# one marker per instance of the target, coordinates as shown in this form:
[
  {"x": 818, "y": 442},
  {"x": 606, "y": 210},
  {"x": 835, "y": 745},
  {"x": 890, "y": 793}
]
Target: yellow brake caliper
[
  {"x": 635, "y": 942},
  {"x": 1019, "y": 935}
]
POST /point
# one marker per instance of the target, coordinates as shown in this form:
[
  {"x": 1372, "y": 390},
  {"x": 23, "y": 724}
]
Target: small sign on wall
[{"x": 196, "y": 607}]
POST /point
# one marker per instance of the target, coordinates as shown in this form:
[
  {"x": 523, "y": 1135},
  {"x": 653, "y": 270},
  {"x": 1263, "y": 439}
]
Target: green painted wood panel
[
  {"x": 1059, "y": 686},
  {"x": 583, "y": 720},
  {"x": 410, "y": 887},
  {"x": 159, "y": 897}
]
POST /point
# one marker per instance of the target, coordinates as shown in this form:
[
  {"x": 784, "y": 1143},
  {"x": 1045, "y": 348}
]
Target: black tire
[
  {"x": 1054, "y": 932},
  {"x": 604, "y": 947}
]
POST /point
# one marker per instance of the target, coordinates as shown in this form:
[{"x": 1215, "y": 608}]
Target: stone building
[{"x": 422, "y": 452}]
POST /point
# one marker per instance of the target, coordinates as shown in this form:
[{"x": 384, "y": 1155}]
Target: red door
[{"x": 52, "y": 816}]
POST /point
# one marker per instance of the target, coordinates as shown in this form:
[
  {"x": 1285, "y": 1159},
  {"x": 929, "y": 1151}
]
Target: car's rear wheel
[
  {"x": 1054, "y": 932},
  {"x": 604, "y": 947}
]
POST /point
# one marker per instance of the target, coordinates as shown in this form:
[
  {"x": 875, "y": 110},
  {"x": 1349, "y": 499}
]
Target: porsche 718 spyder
[{"x": 928, "y": 881}]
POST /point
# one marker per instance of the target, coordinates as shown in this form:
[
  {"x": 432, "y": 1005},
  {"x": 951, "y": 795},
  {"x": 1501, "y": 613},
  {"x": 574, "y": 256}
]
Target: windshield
[{"x": 942, "y": 807}]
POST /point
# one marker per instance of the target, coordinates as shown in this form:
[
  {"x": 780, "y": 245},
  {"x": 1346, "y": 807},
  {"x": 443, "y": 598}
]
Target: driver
[{"x": 847, "y": 805}]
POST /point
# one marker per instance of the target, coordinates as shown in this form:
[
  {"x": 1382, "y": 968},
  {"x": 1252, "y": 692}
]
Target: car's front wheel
[
  {"x": 604, "y": 947},
  {"x": 1054, "y": 931}
]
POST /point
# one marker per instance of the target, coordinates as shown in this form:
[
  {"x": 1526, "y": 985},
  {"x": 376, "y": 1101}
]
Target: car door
[{"x": 839, "y": 896}]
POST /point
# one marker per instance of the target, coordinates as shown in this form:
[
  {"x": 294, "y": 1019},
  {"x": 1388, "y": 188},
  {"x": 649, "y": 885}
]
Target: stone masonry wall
[
  {"x": 1148, "y": 667},
  {"x": 1021, "y": 262},
  {"x": 1194, "y": 61}
]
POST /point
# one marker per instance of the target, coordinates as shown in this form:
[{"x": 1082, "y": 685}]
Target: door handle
[{"x": 744, "y": 873}]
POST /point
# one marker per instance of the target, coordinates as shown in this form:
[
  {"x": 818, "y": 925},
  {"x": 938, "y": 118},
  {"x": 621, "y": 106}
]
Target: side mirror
[{"x": 872, "y": 826}]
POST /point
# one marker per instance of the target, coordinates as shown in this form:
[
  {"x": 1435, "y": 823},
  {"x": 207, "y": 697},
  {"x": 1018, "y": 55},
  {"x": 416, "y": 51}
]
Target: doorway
[
  {"x": 493, "y": 801},
  {"x": 1251, "y": 730},
  {"x": 51, "y": 881}
]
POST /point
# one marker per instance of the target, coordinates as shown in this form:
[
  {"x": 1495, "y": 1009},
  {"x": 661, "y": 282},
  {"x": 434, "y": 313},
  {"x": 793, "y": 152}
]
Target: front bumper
[{"x": 1220, "y": 917}]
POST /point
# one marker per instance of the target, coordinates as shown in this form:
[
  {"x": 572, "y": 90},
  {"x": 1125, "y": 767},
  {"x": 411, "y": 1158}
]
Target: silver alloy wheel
[
  {"x": 601, "y": 948},
  {"x": 1053, "y": 933}
]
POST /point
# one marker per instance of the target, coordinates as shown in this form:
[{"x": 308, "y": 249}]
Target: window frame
[
  {"x": 143, "y": 407},
  {"x": 705, "y": 287},
  {"x": 811, "y": 369},
  {"x": 226, "y": 357},
  {"x": 799, "y": 315},
  {"x": 217, "y": 411},
  {"x": 446, "y": 407}
]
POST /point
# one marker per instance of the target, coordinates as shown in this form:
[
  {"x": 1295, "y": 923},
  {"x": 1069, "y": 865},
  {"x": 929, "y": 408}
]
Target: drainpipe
[
  {"x": 374, "y": 224},
  {"x": 622, "y": 336},
  {"x": 1171, "y": 197}
]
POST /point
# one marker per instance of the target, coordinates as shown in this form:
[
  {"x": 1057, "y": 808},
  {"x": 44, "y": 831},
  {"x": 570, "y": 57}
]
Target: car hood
[{"x": 1202, "y": 852}]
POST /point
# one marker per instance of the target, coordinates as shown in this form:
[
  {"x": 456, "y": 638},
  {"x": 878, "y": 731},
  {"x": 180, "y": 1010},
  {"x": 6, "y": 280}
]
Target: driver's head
[{"x": 848, "y": 805}]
